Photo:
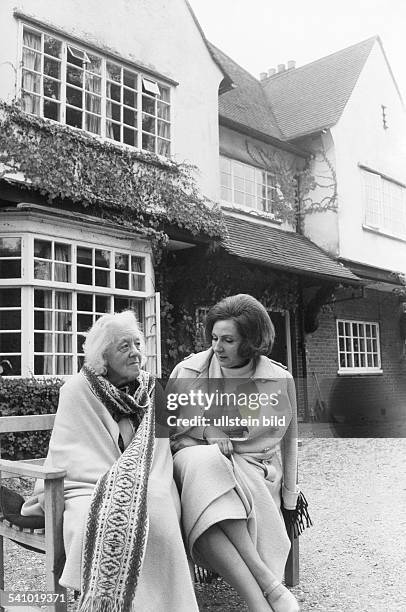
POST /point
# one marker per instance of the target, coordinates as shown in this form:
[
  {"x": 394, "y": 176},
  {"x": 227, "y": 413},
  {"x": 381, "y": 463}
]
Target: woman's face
[
  {"x": 123, "y": 358},
  {"x": 226, "y": 342}
]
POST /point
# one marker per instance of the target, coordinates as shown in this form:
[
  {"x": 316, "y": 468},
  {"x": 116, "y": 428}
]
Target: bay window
[{"x": 52, "y": 290}]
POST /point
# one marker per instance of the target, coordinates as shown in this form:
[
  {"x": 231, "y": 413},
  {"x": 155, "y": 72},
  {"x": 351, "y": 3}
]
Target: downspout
[{"x": 301, "y": 330}]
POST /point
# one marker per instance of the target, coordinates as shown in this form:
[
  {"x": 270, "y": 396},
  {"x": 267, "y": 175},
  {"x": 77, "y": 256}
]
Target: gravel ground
[{"x": 352, "y": 560}]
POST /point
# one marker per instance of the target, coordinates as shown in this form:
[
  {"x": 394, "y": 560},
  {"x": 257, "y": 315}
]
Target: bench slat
[{"x": 31, "y": 422}]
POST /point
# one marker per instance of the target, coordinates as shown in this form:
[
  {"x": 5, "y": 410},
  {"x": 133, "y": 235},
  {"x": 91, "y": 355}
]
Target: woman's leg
[
  {"x": 221, "y": 554},
  {"x": 279, "y": 597}
]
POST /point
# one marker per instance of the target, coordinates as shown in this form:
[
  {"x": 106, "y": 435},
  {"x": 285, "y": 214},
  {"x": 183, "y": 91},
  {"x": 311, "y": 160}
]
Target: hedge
[{"x": 25, "y": 396}]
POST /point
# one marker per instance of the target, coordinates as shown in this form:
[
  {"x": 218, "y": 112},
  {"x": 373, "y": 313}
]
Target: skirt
[{"x": 214, "y": 488}]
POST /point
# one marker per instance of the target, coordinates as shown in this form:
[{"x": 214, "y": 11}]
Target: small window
[{"x": 358, "y": 347}]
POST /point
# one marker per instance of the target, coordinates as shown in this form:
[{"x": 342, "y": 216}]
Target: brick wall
[{"x": 359, "y": 397}]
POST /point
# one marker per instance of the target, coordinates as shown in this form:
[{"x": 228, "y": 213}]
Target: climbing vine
[{"x": 133, "y": 188}]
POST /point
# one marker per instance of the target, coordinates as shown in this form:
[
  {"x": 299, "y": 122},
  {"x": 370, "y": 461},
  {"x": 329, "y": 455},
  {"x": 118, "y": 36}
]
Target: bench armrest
[{"x": 21, "y": 468}]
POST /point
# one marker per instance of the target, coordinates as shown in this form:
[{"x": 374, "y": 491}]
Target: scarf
[{"x": 117, "y": 522}]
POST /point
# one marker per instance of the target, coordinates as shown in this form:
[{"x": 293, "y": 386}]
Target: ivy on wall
[
  {"x": 136, "y": 189},
  {"x": 213, "y": 276}
]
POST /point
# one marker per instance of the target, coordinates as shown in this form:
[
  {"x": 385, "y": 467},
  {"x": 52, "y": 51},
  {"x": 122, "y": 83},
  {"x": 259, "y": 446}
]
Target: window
[
  {"x": 247, "y": 186},
  {"x": 358, "y": 347},
  {"x": 385, "y": 204},
  {"x": 65, "y": 83},
  {"x": 52, "y": 291}
]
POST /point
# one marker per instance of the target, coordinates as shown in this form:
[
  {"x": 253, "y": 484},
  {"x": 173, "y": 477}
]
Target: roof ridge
[
  {"x": 218, "y": 50},
  {"x": 374, "y": 38}
]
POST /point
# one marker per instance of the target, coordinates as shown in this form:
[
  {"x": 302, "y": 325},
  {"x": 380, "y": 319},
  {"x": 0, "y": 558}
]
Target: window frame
[
  {"x": 257, "y": 181},
  {"x": 28, "y": 284},
  {"x": 367, "y": 369},
  {"x": 378, "y": 210},
  {"x": 161, "y": 120}
]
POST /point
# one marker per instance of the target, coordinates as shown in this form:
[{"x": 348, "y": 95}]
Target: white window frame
[
  {"x": 358, "y": 347},
  {"x": 261, "y": 180},
  {"x": 151, "y": 129},
  {"x": 28, "y": 284},
  {"x": 384, "y": 204}
]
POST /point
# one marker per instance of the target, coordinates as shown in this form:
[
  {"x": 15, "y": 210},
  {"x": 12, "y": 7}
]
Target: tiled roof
[
  {"x": 310, "y": 98},
  {"x": 247, "y": 103},
  {"x": 268, "y": 246}
]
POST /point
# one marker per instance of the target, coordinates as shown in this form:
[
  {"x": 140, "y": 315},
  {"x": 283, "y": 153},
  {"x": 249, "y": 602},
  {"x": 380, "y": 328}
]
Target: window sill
[
  {"x": 250, "y": 212},
  {"x": 359, "y": 372},
  {"x": 376, "y": 230}
]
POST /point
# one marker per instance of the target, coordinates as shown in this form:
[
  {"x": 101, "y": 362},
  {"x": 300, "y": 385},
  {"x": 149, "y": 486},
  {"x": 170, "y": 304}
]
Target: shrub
[{"x": 25, "y": 396}]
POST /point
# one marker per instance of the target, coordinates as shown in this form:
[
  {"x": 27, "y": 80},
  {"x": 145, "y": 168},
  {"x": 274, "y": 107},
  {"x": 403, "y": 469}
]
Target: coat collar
[{"x": 266, "y": 369}]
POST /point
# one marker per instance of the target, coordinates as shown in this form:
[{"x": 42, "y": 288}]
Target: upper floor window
[
  {"x": 76, "y": 87},
  {"x": 248, "y": 187},
  {"x": 385, "y": 204},
  {"x": 358, "y": 347}
]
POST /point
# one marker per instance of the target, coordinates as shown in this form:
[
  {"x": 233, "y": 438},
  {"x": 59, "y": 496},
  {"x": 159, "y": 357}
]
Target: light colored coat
[
  {"x": 84, "y": 442},
  {"x": 261, "y": 441}
]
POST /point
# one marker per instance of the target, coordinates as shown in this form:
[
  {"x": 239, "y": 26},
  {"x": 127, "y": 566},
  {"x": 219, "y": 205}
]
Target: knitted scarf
[{"x": 117, "y": 522}]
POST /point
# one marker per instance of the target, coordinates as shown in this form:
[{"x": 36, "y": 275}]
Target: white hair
[{"x": 102, "y": 334}]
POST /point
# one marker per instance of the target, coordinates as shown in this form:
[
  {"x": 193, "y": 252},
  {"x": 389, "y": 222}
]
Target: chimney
[
  {"x": 271, "y": 72},
  {"x": 281, "y": 67},
  {"x": 262, "y": 76},
  {"x": 291, "y": 64}
]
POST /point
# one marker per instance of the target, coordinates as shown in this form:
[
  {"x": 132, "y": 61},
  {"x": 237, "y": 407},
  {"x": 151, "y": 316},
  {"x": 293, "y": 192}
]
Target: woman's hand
[
  {"x": 183, "y": 442},
  {"x": 215, "y": 435}
]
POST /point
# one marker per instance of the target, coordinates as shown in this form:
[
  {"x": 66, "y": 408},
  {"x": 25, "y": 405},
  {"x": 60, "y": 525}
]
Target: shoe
[{"x": 281, "y": 599}]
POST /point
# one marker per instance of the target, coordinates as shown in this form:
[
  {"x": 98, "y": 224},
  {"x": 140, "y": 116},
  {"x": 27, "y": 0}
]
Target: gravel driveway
[{"x": 352, "y": 560}]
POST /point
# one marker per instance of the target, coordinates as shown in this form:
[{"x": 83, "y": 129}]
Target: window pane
[
  {"x": 74, "y": 96},
  {"x": 43, "y": 319},
  {"x": 42, "y": 298},
  {"x": 137, "y": 264},
  {"x": 63, "y": 300},
  {"x": 43, "y": 364},
  {"x": 43, "y": 270},
  {"x": 43, "y": 343},
  {"x": 114, "y": 92},
  {"x": 113, "y": 72},
  {"x": 165, "y": 93},
  {"x": 63, "y": 365},
  {"x": 63, "y": 343},
  {"x": 95, "y": 64},
  {"x": 148, "y": 123},
  {"x": 52, "y": 110},
  {"x": 130, "y": 136},
  {"x": 113, "y": 130},
  {"x": 73, "y": 117},
  {"x": 43, "y": 249},
  {"x": 122, "y": 280},
  {"x": 164, "y": 132},
  {"x": 31, "y": 104},
  {"x": 52, "y": 68},
  {"x": 148, "y": 142},
  {"x": 15, "y": 363},
  {"x": 113, "y": 111},
  {"x": 148, "y": 105},
  {"x": 31, "y": 39},
  {"x": 31, "y": 60},
  {"x": 93, "y": 104},
  {"x": 84, "y": 276},
  {"x": 52, "y": 46},
  {"x": 102, "y": 303},
  {"x": 130, "y": 79},
  {"x": 130, "y": 98},
  {"x": 10, "y": 343},
  {"x": 130, "y": 117},
  {"x": 79, "y": 343},
  {"x": 10, "y": 319},
  {"x": 85, "y": 301},
  {"x": 92, "y": 123},
  {"x": 163, "y": 111},
  {"x": 10, "y": 268},
  {"x": 63, "y": 321},
  {"x": 84, "y": 322},
  {"x": 137, "y": 283},
  {"x": 10, "y": 247},
  {"x": 10, "y": 297},
  {"x": 84, "y": 256},
  {"x": 102, "y": 278},
  {"x": 31, "y": 82}
]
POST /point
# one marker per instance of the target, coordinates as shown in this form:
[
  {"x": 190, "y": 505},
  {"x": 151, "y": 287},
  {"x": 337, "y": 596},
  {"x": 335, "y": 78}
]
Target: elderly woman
[
  {"x": 231, "y": 481},
  {"x": 124, "y": 549}
]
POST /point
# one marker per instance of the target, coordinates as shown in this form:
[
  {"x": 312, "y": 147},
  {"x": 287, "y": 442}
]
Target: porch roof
[{"x": 268, "y": 246}]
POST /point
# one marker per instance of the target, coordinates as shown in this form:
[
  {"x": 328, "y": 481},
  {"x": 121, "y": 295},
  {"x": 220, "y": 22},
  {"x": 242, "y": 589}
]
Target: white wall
[
  {"x": 158, "y": 34},
  {"x": 360, "y": 138},
  {"x": 322, "y": 227}
]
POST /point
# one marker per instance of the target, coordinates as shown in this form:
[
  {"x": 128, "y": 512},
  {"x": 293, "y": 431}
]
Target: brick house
[{"x": 344, "y": 118}]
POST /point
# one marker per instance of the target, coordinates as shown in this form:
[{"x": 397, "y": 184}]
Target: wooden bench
[{"x": 50, "y": 539}]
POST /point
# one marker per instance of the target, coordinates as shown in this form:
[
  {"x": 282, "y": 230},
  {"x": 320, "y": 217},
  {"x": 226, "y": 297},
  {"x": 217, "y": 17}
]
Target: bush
[{"x": 25, "y": 396}]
